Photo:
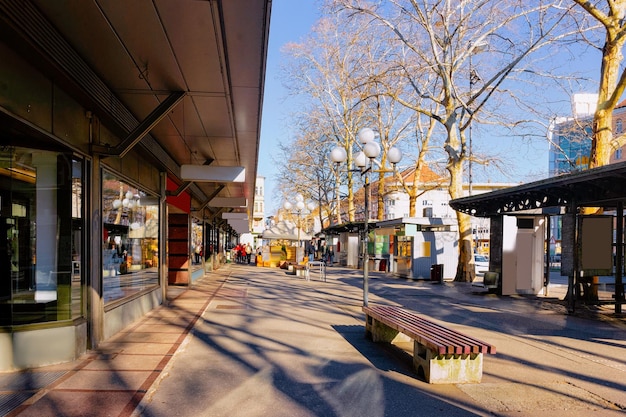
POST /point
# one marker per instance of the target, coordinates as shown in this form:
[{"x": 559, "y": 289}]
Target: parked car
[{"x": 481, "y": 264}]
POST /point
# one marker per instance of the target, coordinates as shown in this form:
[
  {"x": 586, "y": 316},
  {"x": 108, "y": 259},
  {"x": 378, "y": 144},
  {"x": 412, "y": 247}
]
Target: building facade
[{"x": 101, "y": 118}]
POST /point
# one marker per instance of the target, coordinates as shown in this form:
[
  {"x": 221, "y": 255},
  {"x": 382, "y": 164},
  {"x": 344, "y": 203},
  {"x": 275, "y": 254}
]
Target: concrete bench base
[
  {"x": 447, "y": 369},
  {"x": 297, "y": 270},
  {"x": 300, "y": 271}
]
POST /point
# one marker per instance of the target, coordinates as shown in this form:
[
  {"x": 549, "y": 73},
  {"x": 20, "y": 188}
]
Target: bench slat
[
  {"x": 454, "y": 343},
  {"x": 429, "y": 339},
  {"x": 447, "y": 336},
  {"x": 435, "y": 336},
  {"x": 468, "y": 344}
]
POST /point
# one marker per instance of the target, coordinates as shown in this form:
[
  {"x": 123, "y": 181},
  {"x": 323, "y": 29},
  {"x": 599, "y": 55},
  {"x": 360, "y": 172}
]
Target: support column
[
  {"x": 619, "y": 258},
  {"x": 163, "y": 235},
  {"x": 95, "y": 302},
  {"x": 46, "y": 231},
  {"x": 569, "y": 254}
]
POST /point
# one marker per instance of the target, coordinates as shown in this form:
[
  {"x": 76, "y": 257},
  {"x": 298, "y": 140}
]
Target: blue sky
[{"x": 290, "y": 21}]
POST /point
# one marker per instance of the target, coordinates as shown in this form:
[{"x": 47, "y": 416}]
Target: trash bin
[
  {"x": 383, "y": 265},
  {"x": 436, "y": 273}
]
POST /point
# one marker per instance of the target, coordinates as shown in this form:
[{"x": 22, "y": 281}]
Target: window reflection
[
  {"x": 197, "y": 238},
  {"x": 130, "y": 257},
  {"x": 40, "y": 236}
]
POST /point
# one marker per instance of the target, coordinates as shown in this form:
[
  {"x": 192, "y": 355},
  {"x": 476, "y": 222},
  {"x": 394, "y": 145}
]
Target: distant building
[
  {"x": 570, "y": 137},
  {"x": 619, "y": 122},
  {"x": 432, "y": 202},
  {"x": 570, "y": 145},
  {"x": 258, "y": 215}
]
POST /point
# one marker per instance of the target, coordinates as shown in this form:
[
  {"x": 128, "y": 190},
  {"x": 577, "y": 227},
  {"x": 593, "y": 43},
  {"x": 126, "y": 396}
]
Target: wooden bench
[
  {"x": 300, "y": 270},
  {"x": 440, "y": 355}
]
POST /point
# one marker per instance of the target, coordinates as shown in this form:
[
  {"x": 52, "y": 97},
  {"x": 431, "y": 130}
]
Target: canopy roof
[
  {"x": 598, "y": 187},
  {"x": 285, "y": 230}
]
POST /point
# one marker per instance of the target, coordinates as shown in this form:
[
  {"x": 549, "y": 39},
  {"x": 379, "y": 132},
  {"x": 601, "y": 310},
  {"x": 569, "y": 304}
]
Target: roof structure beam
[
  {"x": 210, "y": 197},
  {"x": 182, "y": 187},
  {"x": 135, "y": 136}
]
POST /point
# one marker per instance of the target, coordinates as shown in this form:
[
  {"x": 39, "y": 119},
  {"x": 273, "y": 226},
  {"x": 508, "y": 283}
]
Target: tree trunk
[
  {"x": 380, "y": 209},
  {"x": 350, "y": 198},
  {"x": 601, "y": 145},
  {"x": 412, "y": 204},
  {"x": 465, "y": 268},
  {"x": 608, "y": 93},
  {"x": 465, "y": 271},
  {"x": 603, "y": 136}
]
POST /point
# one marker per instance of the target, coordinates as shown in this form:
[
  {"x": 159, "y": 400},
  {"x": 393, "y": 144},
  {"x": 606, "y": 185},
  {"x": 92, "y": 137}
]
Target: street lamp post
[
  {"x": 299, "y": 207},
  {"x": 338, "y": 155},
  {"x": 363, "y": 161},
  {"x": 473, "y": 78}
]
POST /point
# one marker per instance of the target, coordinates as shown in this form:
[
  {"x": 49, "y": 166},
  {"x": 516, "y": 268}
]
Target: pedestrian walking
[
  {"x": 310, "y": 249},
  {"x": 248, "y": 252}
]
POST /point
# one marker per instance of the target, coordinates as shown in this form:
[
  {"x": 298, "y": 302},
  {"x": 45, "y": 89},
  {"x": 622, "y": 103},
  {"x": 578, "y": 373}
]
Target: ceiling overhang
[{"x": 181, "y": 80}]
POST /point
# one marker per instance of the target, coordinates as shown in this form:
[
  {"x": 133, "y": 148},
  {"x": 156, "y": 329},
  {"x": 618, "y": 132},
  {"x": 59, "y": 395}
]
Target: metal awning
[
  {"x": 599, "y": 187},
  {"x": 349, "y": 227}
]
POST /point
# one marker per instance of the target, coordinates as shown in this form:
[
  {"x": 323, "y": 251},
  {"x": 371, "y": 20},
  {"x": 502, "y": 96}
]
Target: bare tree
[
  {"x": 326, "y": 68},
  {"x": 334, "y": 68},
  {"x": 303, "y": 168},
  {"x": 439, "y": 39}
]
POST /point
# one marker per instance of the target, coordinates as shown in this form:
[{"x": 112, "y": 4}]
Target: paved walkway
[{"x": 247, "y": 341}]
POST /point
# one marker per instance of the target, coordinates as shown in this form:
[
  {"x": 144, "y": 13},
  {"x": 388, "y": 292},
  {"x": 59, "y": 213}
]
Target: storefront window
[
  {"x": 197, "y": 245},
  {"x": 41, "y": 224},
  {"x": 130, "y": 257}
]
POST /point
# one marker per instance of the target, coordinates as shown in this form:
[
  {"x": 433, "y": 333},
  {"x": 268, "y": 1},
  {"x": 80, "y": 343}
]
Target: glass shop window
[
  {"x": 41, "y": 236},
  {"x": 197, "y": 242},
  {"x": 130, "y": 241}
]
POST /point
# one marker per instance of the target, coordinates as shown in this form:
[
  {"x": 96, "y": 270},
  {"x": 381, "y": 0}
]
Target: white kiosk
[
  {"x": 522, "y": 254},
  {"x": 417, "y": 244}
]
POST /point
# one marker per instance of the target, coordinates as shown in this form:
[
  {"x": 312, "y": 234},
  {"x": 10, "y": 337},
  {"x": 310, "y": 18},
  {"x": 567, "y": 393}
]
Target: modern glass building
[{"x": 570, "y": 145}]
